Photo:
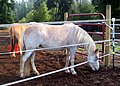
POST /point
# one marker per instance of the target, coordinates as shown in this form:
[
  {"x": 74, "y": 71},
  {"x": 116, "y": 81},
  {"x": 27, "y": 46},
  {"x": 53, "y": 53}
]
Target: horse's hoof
[
  {"x": 67, "y": 71},
  {"x": 73, "y": 73},
  {"x": 37, "y": 73},
  {"x": 22, "y": 76}
]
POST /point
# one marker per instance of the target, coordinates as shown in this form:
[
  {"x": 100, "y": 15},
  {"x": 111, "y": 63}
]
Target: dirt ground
[{"x": 47, "y": 61}]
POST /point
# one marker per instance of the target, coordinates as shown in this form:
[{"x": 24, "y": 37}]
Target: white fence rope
[
  {"x": 116, "y": 24},
  {"x": 117, "y": 19},
  {"x": 58, "y": 22},
  {"x": 49, "y": 73},
  {"x": 117, "y": 40},
  {"x": 45, "y": 74},
  {"x": 65, "y": 46},
  {"x": 117, "y": 54}
]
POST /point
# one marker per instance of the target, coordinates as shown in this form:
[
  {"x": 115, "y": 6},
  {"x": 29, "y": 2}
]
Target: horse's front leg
[
  {"x": 22, "y": 62},
  {"x": 72, "y": 55},
  {"x": 33, "y": 63}
]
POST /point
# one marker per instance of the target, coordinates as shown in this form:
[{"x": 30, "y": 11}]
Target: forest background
[{"x": 13, "y": 11}]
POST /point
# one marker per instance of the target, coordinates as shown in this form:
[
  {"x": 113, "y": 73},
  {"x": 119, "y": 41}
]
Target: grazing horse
[
  {"x": 48, "y": 36},
  {"x": 16, "y": 31}
]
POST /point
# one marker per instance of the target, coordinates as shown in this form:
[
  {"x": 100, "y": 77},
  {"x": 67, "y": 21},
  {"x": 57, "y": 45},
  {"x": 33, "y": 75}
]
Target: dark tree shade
[
  {"x": 6, "y": 13},
  {"x": 51, "y": 4},
  {"x": 64, "y": 6},
  {"x": 101, "y": 6}
]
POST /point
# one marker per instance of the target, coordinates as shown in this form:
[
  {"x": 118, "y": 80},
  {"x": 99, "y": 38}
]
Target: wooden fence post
[
  {"x": 65, "y": 19},
  {"x": 65, "y": 16},
  {"x": 108, "y": 31}
]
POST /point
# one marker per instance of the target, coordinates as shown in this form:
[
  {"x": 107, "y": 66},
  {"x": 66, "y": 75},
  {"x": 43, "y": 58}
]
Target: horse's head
[{"x": 93, "y": 60}]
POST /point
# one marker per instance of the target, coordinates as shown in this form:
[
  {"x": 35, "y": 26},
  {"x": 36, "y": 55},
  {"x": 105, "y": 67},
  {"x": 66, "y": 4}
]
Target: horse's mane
[{"x": 84, "y": 37}]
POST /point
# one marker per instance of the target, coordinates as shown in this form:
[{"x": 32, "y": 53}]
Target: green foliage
[
  {"x": 23, "y": 20},
  {"x": 87, "y": 8},
  {"x": 61, "y": 6},
  {"x": 64, "y": 6},
  {"x": 101, "y": 7},
  {"x": 6, "y": 13},
  {"x": 22, "y": 9},
  {"x": 51, "y": 4},
  {"x": 29, "y": 16},
  {"x": 51, "y": 10},
  {"x": 41, "y": 14},
  {"x": 81, "y": 8},
  {"x": 53, "y": 13}
]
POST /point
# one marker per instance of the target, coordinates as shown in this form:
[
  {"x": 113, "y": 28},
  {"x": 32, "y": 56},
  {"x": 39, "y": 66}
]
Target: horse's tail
[{"x": 12, "y": 38}]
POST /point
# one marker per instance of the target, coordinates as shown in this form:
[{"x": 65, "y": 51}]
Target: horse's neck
[{"x": 85, "y": 38}]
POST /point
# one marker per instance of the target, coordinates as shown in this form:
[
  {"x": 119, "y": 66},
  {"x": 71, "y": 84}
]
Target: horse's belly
[{"x": 52, "y": 44}]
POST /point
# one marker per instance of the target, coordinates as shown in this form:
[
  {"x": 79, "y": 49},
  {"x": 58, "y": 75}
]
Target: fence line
[
  {"x": 117, "y": 19},
  {"x": 65, "y": 46},
  {"x": 4, "y": 36},
  {"x": 117, "y": 39},
  {"x": 45, "y": 74},
  {"x": 116, "y": 24},
  {"x": 58, "y": 22},
  {"x": 117, "y": 54},
  {"x": 49, "y": 73}
]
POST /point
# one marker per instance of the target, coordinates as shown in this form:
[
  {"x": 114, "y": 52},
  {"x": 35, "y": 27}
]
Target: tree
[
  {"x": 41, "y": 13},
  {"x": 78, "y": 7},
  {"x": 115, "y": 6},
  {"x": 6, "y": 13},
  {"x": 53, "y": 13},
  {"x": 64, "y": 6},
  {"x": 61, "y": 7},
  {"x": 28, "y": 18},
  {"x": 51, "y": 4},
  {"x": 22, "y": 9}
]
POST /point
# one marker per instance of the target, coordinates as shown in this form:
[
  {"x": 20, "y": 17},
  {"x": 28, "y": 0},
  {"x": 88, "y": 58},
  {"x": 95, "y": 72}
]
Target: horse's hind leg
[
  {"x": 67, "y": 61},
  {"x": 12, "y": 44},
  {"x": 33, "y": 63},
  {"x": 20, "y": 45},
  {"x": 22, "y": 62}
]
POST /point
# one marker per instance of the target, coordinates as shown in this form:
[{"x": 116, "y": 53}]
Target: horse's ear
[{"x": 96, "y": 51}]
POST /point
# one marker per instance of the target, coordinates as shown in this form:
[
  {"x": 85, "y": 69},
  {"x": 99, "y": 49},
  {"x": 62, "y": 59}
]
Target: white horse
[{"x": 48, "y": 36}]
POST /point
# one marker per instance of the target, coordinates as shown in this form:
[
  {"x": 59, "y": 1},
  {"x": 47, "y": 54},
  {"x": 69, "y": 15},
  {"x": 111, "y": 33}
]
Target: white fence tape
[
  {"x": 65, "y": 46},
  {"x": 117, "y": 54},
  {"x": 56, "y": 22},
  {"x": 49, "y": 73}
]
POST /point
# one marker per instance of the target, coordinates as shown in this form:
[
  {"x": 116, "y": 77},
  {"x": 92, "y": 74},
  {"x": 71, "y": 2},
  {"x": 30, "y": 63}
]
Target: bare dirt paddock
[{"x": 47, "y": 61}]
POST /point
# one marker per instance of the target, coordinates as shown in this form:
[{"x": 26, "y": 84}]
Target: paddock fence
[{"x": 113, "y": 40}]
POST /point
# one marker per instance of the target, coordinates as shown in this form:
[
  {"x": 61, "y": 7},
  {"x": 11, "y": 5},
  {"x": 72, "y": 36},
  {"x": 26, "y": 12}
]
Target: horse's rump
[{"x": 15, "y": 33}]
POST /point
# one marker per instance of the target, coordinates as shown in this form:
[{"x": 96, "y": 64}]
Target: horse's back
[
  {"x": 51, "y": 30},
  {"x": 50, "y": 35}
]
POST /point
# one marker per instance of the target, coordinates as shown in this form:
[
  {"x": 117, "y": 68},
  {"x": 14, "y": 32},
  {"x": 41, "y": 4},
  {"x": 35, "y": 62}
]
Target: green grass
[{"x": 117, "y": 47}]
